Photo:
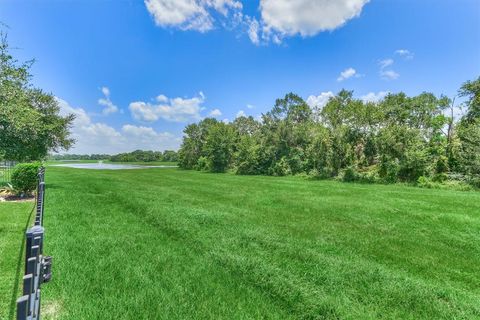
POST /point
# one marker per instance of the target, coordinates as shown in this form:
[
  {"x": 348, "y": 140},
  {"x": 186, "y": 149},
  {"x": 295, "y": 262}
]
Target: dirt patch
[
  {"x": 51, "y": 310},
  {"x": 7, "y": 196}
]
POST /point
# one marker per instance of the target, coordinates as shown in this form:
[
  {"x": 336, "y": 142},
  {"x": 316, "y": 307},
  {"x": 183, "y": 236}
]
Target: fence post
[{"x": 37, "y": 266}]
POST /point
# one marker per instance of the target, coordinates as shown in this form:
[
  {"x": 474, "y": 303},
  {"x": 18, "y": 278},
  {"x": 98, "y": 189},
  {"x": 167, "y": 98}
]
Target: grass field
[
  {"x": 14, "y": 219},
  {"x": 173, "y": 244}
]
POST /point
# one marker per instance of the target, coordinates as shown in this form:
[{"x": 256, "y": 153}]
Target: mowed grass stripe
[
  {"x": 15, "y": 217},
  {"x": 167, "y": 243}
]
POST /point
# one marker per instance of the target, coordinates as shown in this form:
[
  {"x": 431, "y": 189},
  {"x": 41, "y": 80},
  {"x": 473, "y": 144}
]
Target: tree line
[
  {"x": 134, "y": 156},
  {"x": 397, "y": 139}
]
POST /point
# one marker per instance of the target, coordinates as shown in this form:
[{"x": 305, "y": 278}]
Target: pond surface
[{"x": 107, "y": 166}]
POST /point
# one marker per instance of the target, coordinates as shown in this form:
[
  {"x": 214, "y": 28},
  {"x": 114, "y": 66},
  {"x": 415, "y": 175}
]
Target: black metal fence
[
  {"x": 6, "y": 169},
  {"x": 37, "y": 266}
]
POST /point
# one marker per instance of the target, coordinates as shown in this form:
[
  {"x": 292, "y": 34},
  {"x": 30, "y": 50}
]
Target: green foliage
[
  {"x": 471, "y": 90},
  {"x": 281, "y": 168},
  {"x": 25, "y": 177},
  {"x": 134, "y": 156},
  {"x": 202, "y": 164},
  {"x": 397, "y": 139},
  {"x": 349, "y": 174},
  {"x": 30, "y": 120},
  {"x": 72, "y": 156},
  {"x": 219, "y": 146},
  {"x": 143, "y": 156},
  {"x": 247, "y": 156}
]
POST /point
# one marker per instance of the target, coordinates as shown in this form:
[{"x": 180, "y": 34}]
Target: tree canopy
[
  {"x": 30, "y": 124},
  {"x": 397, "y": 139}
]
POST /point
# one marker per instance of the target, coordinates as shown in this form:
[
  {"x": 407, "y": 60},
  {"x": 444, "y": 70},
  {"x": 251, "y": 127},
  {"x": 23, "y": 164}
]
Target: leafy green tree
[
  {"x": 399, "y": 138},
  {"x": 471, "y": 90},
  {"x": 219, "y": 146},
  {"x": 469, "y": 153},
  {"x": 30, "y": 124}
]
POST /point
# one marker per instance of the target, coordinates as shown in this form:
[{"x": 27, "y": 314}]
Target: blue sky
[{"x": 136, "y": 72}]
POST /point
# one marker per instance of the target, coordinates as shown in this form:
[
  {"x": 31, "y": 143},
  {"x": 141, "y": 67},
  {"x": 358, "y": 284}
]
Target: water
[{"x": 107, "y": 166}]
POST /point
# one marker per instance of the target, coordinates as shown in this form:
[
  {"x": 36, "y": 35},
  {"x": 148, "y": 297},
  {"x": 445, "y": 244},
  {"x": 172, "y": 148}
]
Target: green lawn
[
  {"x": 173, "y": 244},
  {"x": 14, "y": 219}
]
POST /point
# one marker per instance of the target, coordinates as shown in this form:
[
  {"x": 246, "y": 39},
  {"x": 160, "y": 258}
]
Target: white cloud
[
  {"x": 250, "y": 106},
  {"x": 106, "y": 91},
  {"x": 108, "y": 105},
  {"x": 170, "y": 109},
  {"x": 318, "y": 102},
  {"x": 215, "y": 113},
  {"x": 405, "y": 53},
  {"x": 190, "y": 14},
  {"x": 146, "y": 138},
  {"x": 385, "y": 63},
  {"x": 96, "y": 137},
  {"x": 389, "y": 74},
  {"x": 348, "y": 73},
  {"x": 162, "y": 98},
  {"x": 253, "y": 30},
  {"x": 279, "y": 18},
  {"x": 306, "y": 17},
  {"x": 374, "y": 97},
  {"x": 241, "y": 113}
]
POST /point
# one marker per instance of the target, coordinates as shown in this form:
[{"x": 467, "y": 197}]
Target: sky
[{"x": 135, "y": 73}]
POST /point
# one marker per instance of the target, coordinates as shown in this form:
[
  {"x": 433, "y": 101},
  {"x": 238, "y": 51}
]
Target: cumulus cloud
[
  {"x": 318, "y": 102},
  {"x": 253, "y": 30},
  {"x": 389, "y": 74},
  {"x": 215, "y": 113},
  {"x": 307, "y": 17},
  {"x": 170, "y": 109},
  {"x": 385, "y": 63},
  {"x": 405, "y": 53},
  {"x": 97, "y": 137},
  {"x": 241, "y": 113},
  {"x": 348, "y": 73},
  {"x": 278, "y": 18},
  {"x": 250, "y": 106},
  {"x": 108, "y": 106},
  {"x": 374, "y": 97},
  {"x": 146, "y": 138},
  {"x": 190, "y": 14}
]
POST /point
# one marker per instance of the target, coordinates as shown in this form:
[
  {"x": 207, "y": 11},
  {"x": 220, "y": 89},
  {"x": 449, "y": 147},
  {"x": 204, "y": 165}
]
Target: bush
[
  {"x": 388, "y": 170},
  {"x": 25, "y": 177},
  {"x": 440, "y": 177},
  {"x": 281, "y": 168},
  {"x": 368, "y": 177},
  {"x": 349, "y": 174},
  {"x": 474, "y": 180},
  {"x": 459, "y": 185},
  {"x": 203, "y": 164}
]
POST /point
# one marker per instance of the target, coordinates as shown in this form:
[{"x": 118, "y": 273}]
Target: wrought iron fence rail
[{"x": 37, "y": 266}]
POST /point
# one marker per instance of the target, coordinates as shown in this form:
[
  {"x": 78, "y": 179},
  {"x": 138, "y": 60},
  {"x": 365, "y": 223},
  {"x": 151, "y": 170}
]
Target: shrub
[
  {"x": 25, "y": 177},
  {"x": 474, "y": 180},
  {"x": 442, "y": 165},
  {"x": 440, "y": 177},
  {"x": 282, "y": 168},
  {"x": 388, "y": 170},
  {"x": 203, "y": 164},
  {"x": 349, "y": 174},
  {"x": 316, "y": 174},
  {"x": 368, "y": 177},
  {"x": 425, "y": 182}
]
